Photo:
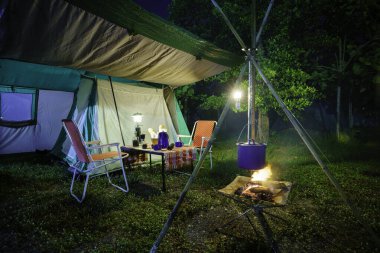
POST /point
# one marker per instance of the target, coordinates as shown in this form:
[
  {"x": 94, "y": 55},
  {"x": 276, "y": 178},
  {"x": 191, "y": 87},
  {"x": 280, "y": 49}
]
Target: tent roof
[{"x": 115, "y": 37}]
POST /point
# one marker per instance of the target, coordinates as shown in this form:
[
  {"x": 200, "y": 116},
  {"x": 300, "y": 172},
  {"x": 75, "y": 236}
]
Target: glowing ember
[
  {"x": 255, "y": 191},
  {"x": 262, "y": 175}
]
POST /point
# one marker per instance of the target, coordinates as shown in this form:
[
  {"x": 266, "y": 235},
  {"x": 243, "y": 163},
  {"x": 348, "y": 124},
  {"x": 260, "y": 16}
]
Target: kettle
[{"x": 163, "y": 139}]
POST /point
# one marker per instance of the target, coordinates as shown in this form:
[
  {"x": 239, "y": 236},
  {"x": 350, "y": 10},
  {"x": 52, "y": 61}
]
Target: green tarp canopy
[{"x": 115, "y": 38}]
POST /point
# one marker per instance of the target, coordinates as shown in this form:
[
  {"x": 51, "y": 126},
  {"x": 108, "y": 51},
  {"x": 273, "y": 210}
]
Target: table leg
[
  {"x": 150, "y": 161},
  {"x": 163, "y": 173}
]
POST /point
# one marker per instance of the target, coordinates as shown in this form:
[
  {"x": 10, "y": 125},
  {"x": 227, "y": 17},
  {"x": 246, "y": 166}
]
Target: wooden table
[{"x": 184, "y": 154}]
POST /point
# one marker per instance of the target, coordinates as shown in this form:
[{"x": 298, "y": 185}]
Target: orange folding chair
[
  {"x": 87, "y": 162},
  {"x": 201, "y": 134}
]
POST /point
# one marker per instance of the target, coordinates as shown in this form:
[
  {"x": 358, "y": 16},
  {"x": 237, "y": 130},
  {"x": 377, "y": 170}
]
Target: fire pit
[
  {"x": 275, "y": 192},
  {"x": 257, "y": 193}
]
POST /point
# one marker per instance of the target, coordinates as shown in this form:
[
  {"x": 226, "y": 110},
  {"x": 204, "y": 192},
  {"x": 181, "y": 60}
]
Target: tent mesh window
[{"x": 18, "y": 106}]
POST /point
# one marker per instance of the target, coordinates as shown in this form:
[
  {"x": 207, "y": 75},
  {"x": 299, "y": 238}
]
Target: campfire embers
[
  {"x": 271, "y": 191},
  {"x": 258, "y": 188},
  {"x": 255, "y": 191}
]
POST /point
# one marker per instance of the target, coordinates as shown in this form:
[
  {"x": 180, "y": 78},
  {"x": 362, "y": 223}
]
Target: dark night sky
[{"x": 158, "y": 7}]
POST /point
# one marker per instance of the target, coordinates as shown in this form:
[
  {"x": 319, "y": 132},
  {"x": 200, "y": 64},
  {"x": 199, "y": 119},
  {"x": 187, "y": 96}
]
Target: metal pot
[{"x": 251, "y": 156}]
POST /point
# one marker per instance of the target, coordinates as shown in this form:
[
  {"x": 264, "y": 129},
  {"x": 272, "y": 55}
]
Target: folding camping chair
[
  {"x": 89, "y": 161},
  {"x": 201, "y": 134}
]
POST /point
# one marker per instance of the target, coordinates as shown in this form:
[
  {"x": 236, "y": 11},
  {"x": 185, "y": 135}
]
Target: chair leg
[
  {"x": 80, "y": 200},
  {"x": 126, "y": 189},
  {"x": 200, "y": 154},
  {"x": 210, "y": 160}
]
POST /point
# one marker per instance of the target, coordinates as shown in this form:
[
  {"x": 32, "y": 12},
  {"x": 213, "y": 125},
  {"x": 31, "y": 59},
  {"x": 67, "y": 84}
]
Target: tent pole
[
  {"x": 264, "y": 21},
  {"x": 253, "y": 72},
  {"x": 117, "y": 111},
  {"x": 228, "y": 22},
  {"x": 250, "y": 100},
  {"x": 308, "y": 144}
]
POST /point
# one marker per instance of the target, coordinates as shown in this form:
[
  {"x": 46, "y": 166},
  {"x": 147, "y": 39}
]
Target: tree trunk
[
  {"x": 262, "y": 128},
  {"x": 323, "y": 117},
  {"x": 338, "y": 91},
  {"x": 350, "y": 114}
]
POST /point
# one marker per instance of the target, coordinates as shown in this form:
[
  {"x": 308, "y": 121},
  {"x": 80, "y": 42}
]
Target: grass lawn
[{"x": 37, "y": 214}]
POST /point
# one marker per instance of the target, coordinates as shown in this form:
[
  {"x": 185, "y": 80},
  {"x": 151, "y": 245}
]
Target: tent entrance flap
[{"x": 131, "y": 99}]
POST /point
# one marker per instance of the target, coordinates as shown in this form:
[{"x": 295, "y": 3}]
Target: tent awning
[{"x": 116, "y": 38}]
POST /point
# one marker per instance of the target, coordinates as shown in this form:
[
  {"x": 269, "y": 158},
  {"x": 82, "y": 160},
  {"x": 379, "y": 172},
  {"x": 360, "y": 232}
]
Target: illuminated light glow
[
  {"x": 237, "y": 94},
  {"x": 262, "y": 175},
  {"x": 137, "y": 117}
]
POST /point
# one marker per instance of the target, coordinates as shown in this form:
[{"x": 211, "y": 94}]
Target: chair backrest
[
  {"x": 202, "y": 128},
  {"x": 76, "y": 139}
]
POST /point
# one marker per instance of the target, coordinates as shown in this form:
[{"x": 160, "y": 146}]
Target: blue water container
[
  {"x": 251, "y": 156},
  {"x": 163, "y": 140}
]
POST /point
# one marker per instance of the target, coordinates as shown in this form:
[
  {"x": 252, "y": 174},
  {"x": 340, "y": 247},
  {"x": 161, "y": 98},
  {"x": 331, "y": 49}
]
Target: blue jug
[{"x": 163, "y": 139}]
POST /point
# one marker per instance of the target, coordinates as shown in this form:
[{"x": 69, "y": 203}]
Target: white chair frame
[{"x": 94, "y": 164}]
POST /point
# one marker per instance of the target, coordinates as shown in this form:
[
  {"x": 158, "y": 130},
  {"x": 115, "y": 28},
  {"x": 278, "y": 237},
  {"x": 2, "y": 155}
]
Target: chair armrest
[
  {"x": 182, "y": 135},
  {"x": 186, "y": 136},
  {"x": 94, "y": 142},
  {"x": 116, "y": 144}
]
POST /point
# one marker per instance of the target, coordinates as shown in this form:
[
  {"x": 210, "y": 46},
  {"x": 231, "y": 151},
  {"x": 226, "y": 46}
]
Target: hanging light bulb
[{"x": 237, "y": 94}]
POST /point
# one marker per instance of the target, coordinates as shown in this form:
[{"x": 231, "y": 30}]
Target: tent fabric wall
[
  {"x": 55, "y": 88},
  {"x": 176, "y": 114},
  {"x": 89, "y": 103},
  {"x": 84, "y": 116},
  {"x": 52, "y": 107},
  {"x": 129, "y": 100}
]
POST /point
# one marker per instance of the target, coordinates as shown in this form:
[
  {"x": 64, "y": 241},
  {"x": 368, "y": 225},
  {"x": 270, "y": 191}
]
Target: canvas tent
[
  {"x": 77, "y": 59},
  {"x": 35, "y": 100}
]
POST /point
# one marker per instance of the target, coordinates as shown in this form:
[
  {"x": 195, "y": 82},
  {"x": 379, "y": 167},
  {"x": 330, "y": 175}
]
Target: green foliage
[
  {"x": 299, "y": 38},
  {"x": 214, "y": 102},
  {"x": 280, "y": 58},
  {"x": 282, "y": 68}
]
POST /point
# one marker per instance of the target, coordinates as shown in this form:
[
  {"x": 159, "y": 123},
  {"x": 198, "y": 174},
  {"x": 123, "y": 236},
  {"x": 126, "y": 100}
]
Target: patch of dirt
[
  {"x": 208, "y": 226},
  {"x": 144, "y": 191}
]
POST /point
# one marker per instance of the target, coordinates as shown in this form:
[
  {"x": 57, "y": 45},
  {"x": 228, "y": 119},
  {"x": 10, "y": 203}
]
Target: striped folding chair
[
  {"x": 201, "y": 134},
  {"x": 88, "y": 161}
]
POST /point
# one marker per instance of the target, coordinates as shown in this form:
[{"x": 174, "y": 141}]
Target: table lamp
[{"x": 137, "y": 118}]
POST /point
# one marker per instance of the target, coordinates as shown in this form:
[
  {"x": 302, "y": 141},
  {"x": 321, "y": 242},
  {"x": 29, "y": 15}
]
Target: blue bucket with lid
[{"x": 251, "y": 156}]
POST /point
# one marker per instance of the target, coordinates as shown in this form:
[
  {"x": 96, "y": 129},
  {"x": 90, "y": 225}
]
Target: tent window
[{"x": 17, "y": 107}]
